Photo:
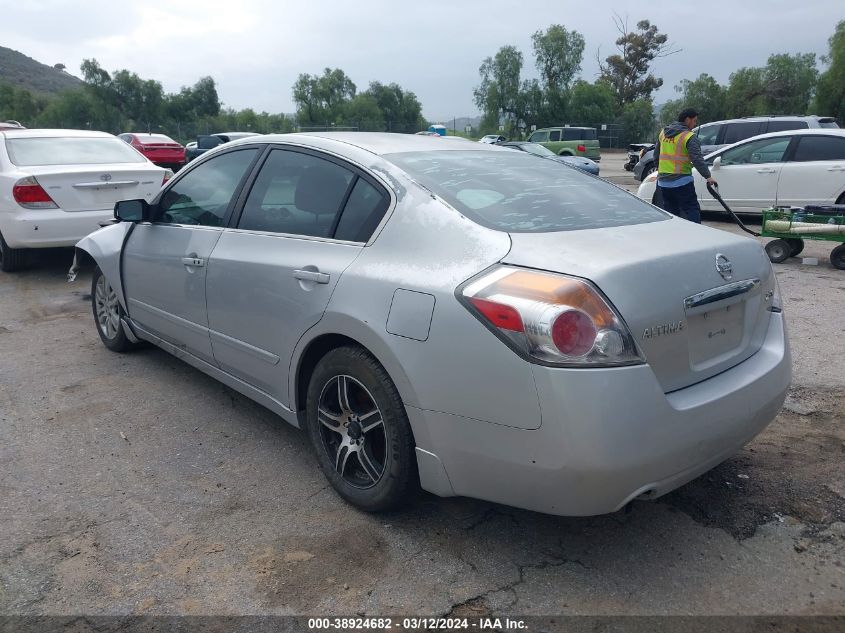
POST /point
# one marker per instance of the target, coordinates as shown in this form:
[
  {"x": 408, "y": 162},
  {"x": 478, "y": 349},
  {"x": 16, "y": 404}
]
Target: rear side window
[
  {"x": 811, "y": 148},
  {"x": 296, "y": 194},
  {"x": 27, "y": 152},
  {"x": 735, "y": 132},
  {"x": 778, "y": 125},
  {"x": 362, "y": 212},
  {"x": 554, "y": 135},
  {"x": 515, "y": 192}
]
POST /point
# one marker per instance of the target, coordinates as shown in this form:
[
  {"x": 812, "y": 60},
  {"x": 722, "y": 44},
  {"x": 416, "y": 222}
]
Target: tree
[
  {"x": 830, "y": 90},
  {"x": 321, "y": 99},
  {"x": 363, "y": 111},
  {"x": 557, "y": 54},
  {"x": 637, "y": 122},
  {"x": 591, "y": 104},
  {"x": 745, "y": 93},
  {"x": 784, "y": 86},
  {"x": 400, "y": 109},
  {"x": 498, "y": 94},
  {"x": 627, "y": 72},
  {"x": 705, "y": 94}
]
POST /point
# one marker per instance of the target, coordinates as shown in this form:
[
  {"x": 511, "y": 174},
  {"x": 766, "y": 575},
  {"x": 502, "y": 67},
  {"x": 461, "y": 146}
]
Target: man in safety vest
[{"x": 679, "y": 151}]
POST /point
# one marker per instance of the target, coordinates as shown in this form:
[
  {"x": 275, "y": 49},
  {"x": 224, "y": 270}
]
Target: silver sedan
[{"x": 459, "y": 317}]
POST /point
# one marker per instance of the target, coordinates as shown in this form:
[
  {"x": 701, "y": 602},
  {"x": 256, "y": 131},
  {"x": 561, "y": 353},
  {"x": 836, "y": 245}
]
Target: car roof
[
  {"x": 379, "y": 143},
  {"x": 55, "y": 133},
  {"x": 813, "y": 131}
]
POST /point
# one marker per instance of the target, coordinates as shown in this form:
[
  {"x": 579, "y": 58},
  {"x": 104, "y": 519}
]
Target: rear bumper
[
  {"x": 609, "y": 435},
  {"x": 48, "y": 228}
]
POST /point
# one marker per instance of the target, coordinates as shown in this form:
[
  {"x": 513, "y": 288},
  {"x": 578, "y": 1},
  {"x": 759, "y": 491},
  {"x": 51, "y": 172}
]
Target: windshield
[
  {"x": 27, "y": 152},
  {"x": 510, "y": 191},
  {"x": 536, "y": 149}
]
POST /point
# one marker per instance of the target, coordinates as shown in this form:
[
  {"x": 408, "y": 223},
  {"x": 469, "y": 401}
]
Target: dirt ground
[{"x": 134, "y": 484}]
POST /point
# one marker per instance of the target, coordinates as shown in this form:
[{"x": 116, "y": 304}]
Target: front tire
[
  {"x": 11, "y": 259},
  {"x": 360, "y": 432},
  {"x": 108, "y": 314},
  {"x": 837, "y": 257}
]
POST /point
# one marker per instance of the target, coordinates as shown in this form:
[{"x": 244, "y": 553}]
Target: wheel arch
[{"x": 103, "y": 248}]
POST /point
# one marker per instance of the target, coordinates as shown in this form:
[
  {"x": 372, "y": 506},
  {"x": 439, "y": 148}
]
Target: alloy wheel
[
  {"x": 107, "y": 308},
  {"x": 352, "y": 431}
]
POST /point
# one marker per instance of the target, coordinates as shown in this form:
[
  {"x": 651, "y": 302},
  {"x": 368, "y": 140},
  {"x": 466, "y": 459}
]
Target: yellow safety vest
[{"x": 674, "y": 157}]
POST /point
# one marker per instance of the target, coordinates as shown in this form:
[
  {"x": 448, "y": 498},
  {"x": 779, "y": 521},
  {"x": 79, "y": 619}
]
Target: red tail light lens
[
  {"x": 574, "y": 333},
  {"x": 582, "y": 148},
  {"x": 168, "y": 174},
  {"x": 31, "y": 195},
  {"x": 552, "y": 318}
]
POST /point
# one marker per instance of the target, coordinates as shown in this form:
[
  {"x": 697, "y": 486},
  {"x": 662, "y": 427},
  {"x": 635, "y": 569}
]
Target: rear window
[
  {"x": 26, "y": 152},
  {"x": 828, "y": 122},
  {"x": 154, "y": 139},
  {"x": 514, "y": 192}
]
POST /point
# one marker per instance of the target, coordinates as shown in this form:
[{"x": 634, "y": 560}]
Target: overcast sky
[{"x": 255, "y": 49}]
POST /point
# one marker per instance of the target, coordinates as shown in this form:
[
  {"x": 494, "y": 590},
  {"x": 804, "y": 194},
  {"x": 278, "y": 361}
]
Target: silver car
[{"x": 464, "y": 318}]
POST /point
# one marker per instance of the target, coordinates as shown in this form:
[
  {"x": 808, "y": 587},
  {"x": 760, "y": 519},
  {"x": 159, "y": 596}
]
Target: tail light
[
  {"x": 651, "y": 177},
  {"x": 168, "y": 174},
  {"x": 30, "y": 195},
  {"x": 551, "y": 318},
  {"x": 581, "y": 148}
]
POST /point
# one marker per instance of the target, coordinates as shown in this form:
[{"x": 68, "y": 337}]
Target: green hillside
[{"x": 24, "y": 72}]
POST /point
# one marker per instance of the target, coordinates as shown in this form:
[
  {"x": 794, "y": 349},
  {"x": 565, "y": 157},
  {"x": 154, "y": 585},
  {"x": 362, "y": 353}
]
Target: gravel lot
[{"x": 135, "y": 484}]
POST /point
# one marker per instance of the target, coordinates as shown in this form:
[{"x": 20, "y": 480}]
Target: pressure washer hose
[{"x": 715, "y": 193}]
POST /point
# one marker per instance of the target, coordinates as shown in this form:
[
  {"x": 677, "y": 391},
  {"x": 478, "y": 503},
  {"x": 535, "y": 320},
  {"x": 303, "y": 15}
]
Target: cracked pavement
[{"x": 135, "y": 484}]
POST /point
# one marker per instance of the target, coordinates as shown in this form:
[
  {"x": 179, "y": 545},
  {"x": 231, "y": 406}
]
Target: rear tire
[
  {"x": 778, "y": 251},
  {"x": 108, "y": 314},
  {"x": 11, "y": 259},
  {"x": 837, "y": 257},
  {"x": 796, "y": 245},
  {"x": 360, "y": 432}
]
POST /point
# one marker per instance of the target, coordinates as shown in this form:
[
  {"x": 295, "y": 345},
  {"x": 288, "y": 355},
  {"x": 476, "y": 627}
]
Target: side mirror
[
  {"x": 717, "y": 162},
  {"x": 132, "y": 211}
]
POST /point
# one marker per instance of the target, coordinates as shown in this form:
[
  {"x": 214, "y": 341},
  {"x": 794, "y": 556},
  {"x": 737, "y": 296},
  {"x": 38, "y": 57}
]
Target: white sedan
[
  {"x": 791, "y": 168},
  {"x": 57, "y": 186}
]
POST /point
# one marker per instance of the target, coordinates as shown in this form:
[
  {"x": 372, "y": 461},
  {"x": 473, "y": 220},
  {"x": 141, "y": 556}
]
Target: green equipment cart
[{"x": 792, "y": 225}]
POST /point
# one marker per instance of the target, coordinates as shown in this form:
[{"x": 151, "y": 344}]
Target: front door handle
[
  {"x": 766, "y": 171},
  {"x": 193, "y": 261},
  {"x": 311, "y": 275},
  {"x": 836, "y": 168}
]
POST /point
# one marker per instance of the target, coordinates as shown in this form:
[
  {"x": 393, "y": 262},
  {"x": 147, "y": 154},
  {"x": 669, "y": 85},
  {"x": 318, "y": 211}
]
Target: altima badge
[{"x": 724, "y": 267}]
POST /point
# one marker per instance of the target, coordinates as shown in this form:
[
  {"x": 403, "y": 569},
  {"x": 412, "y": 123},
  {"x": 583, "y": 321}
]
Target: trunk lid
[
  {"x": 97, "y": 187},
  {"x": 689, "y": 321}
]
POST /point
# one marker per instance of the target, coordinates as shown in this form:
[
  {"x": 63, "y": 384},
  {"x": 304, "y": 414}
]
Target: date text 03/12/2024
[{"x": 417, "y": 624}]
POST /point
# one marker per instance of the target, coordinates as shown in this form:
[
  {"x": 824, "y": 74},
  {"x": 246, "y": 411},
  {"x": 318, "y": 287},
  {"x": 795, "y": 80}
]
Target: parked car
[
  {"x": 635, "y": 152},
  {"x": 206, "y": 142},
  {"x": 793, "y": 168},
  {"x": 492, "y": 139},
  {"x": 584, "y": 164},
  {"x": 503, "y": 351},
  {"x": 719, "y": 134},
  {"x": 11, "y": 125},
  {"x": 158, "y": 148},
  {"x": 57, "y": 186},
  {"x": 569, "y": 141}
]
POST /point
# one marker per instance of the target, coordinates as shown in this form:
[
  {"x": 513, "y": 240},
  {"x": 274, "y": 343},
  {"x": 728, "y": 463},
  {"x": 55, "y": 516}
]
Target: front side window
[
  {"x": 707, "y": 134},
  {"x": 813, "y": 148},
  {"x": 539, "y": 137},
  {"x": 767, "y": 150},
  {"x": 203, "y": 196},
  {"x": 296, "y": 194},
  {"x": 29, "y": 152},
  {"x": 514, "y": 192}
]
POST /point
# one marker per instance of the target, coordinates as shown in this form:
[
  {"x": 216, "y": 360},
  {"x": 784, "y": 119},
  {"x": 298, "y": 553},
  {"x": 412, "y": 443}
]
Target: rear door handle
[
  {"x": 311, "y": 275},
  {"x": 765, "y": 171},
  {"x": 193, "y": 261},
  {"x": 836, "y": 168}
]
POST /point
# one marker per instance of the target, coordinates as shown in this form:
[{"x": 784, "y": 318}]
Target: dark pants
[{"x": 681, "y": 201}]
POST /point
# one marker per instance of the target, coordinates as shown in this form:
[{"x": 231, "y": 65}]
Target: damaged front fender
[{"x": 104, "y": 247}]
